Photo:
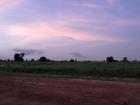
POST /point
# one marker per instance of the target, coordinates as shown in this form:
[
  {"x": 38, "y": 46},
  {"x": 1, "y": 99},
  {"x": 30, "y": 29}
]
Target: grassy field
[{"x": 75, "y": 69}]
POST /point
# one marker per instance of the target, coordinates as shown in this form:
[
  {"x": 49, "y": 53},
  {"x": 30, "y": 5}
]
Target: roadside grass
[{"x": 85, "y": 70}]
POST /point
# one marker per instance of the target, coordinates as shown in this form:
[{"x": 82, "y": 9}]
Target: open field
[
  {"x": 43, "y": 91},
  {"x": 21, "y": 83},
  {"x": 74, "y": 69}
]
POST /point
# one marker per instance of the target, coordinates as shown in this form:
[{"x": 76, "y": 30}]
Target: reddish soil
[{"x": 43, "y": 91}]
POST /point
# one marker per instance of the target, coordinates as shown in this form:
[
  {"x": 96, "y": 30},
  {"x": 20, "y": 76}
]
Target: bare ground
[{"x": 44, "y": 91}]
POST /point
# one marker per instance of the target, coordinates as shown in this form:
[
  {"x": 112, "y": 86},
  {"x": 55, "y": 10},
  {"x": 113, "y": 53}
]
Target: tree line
[
  {"x": 19, "y": 57},
  {"x": 111, "y": 59}
]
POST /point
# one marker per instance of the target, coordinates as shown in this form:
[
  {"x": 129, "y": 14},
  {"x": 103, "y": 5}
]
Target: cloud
[
  {"x": 95, "y": 5},
  {"x": 73, "y": 18},
  {"x": 38, "y": 32},
  {"x": 78, "y": 55},
  {"x": 88, "y": 5},
  {"x": 111, "y": 1},
  {"x": 115, "y": 23},
  {"x": 28, "y": 51},
  {"x": 9, "y": 4}
]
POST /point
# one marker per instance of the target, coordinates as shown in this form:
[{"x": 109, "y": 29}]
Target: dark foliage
[
  {"x": 72, "y": 60},
  {"x": 32, "y": 60},
  {"x": 44, "y": 59},
  {"x": 125, "y": 59},
  {"x": 110, "y": 59},
  {"x": 19, "y": 57}
]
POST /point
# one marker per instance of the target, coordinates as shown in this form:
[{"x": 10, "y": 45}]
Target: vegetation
[
  {"x": 95, "y": 69},
  {"x": 74, "y": 68},
  {"x": 19, "y": 57}
]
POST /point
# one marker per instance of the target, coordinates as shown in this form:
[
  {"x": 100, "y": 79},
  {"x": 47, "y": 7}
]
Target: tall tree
[{"x": 19, "y": 57}]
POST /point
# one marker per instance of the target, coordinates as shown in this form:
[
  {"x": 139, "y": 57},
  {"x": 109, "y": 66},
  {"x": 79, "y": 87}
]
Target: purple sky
[{"x": 64, "y": 29}]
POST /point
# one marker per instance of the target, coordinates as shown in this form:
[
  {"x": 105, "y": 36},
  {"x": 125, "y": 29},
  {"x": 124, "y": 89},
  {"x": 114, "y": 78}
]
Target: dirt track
[{"x": 41, "y": 91}]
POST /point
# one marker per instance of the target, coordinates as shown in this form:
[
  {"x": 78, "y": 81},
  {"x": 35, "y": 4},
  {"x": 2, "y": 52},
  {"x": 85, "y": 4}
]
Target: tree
[
  {"x": 22, "y": 55},
  {"x": 110, "y": 59},
  {"x": 72, "y": 60},
  {"x": 125, "y": 59},
  {"x": 19, "y": 57},
  {"x": 44, "y": 59},
  {"x": 32, "y": 60}
]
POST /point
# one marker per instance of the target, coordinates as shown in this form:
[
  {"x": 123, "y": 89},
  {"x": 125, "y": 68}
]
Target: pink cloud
[
  {"x": 73, "y": 18},
  {"x": 8, "y": 4},
  {"x": 89, "y": 5},
  {"x": 37, "y": 32}
]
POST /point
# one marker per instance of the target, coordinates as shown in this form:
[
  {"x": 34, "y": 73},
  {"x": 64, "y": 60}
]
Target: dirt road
[{"x": 43, "y": 91}]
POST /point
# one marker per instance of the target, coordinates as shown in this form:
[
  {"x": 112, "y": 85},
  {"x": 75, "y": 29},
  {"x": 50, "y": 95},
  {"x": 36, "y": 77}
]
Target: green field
[{"x": 74, "y": 69}]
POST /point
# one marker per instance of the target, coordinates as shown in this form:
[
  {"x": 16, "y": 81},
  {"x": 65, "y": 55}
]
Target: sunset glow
[{"x": 93, "y": 29}]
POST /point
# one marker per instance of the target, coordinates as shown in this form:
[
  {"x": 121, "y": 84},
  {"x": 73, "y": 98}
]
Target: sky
[{"x": 65, "y": 29}]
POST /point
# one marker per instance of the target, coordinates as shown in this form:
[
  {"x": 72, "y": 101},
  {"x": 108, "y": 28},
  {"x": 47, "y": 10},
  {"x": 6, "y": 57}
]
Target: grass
[{"x": 74, "y": 69}]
